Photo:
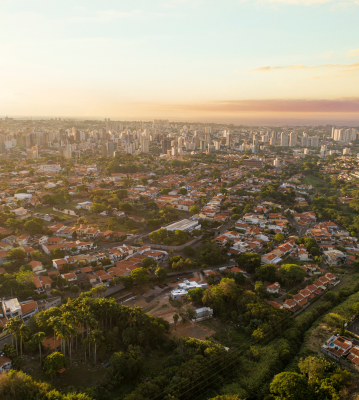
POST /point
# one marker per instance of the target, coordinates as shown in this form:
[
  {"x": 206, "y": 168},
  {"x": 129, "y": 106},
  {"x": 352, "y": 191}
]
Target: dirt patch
[
  {"x": 191, "y": 329},
  {"x": 319, "y": 336}
]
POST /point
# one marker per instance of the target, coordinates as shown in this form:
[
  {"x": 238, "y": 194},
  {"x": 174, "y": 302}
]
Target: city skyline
[{"x": 181, "y": 59}]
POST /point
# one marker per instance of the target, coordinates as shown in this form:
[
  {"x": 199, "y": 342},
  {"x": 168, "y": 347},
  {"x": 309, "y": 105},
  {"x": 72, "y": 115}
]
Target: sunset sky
[{"x": 180, "y": 58}]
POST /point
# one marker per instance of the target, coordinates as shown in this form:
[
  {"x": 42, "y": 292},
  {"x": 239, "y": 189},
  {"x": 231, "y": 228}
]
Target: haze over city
[
  {"x": 274, "y": 60},
  {"x": 179, "y": 200}
]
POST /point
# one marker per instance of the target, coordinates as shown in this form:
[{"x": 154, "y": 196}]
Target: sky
[{"x": 226, "y": 60}]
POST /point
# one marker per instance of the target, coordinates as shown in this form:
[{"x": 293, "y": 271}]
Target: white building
[
  {"x": 184, "y": 225},
  {"x": 50, "y": 167},
  {"x": 11, "y": 308}
]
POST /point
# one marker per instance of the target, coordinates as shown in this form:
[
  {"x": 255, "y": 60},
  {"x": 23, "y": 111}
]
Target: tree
[
  {"x": 160, "y": 273},
  {"x": 194, "y": 209},
  {"x": 291, "y": 273},
  {"x": 21, "y": 190},
  {"x": 140, "y": 276},
  {"x": 148, "y": 263},
  {"x": 13, "y": 326},
  {"x": 16, "y": 254},
  {"x": 279, "y": 237},
  {"x": 54, "y": 362},
  {"x": 312, "y": 367},
  {"x": 266, "y": 272},
  {"x": 128, "y": 364},
  {"x": 260, "y": 288},
  {"x": 25, "y": 277},
  {"x": 36, "y": 255},
  {"x": 175, "y": 319},
  {"x": 57, "y": 253},
  {"x": 97, "y": 208},
  {"x": 13, "y": 223},
  {"x": 190, "y": 312},
  {"x": 355, "y": 308},
  {"x": 80, "y": 221},
  {"x": 96, "y": 337},
  {"x": 33, "y": 227},
  {"x": 189, "y": 251},
  {"x": 74, "y": 289},
  {"x": 24, "y": 332},
  {"x": 249, "y": 261},
  {"x": 291, "y": 386},
  {"x": 182, "y": 191},
  {"x": 40, "y": 338}
]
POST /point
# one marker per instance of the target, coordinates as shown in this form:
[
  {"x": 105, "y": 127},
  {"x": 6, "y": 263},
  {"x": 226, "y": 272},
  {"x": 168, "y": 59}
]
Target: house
[
  {"x": 48, "y": 303},
  {"x": 274, "y": 288},
  {"x": 334, "y": 257},
  {"x": 270, "y": 258},
  {"x": 70, "y": 277},
  {"x": 338, "y": 346},
  {"x": 23, "y": 240},
  {"x": 303, "y": 255},
  {"x": 29, "y": 309},
  {"x": 290, "y": 304},
  {"x": 155, "y": 254},
  {"x": 354, "y": 355},
  {"x": 103, "y": 276},
  {"x": 42, "y": 283},
  {"x": 203, "y": 312},
  {"x": 37, "y": 267},
  {"x": 59, "y": 263},
  {"x": 3, "y": 256},
  {"x": 5, "y": 364},
  {"x": 11, "y": 308},
  {"x": 5, "y": 246},
  {"x": 275, "y": 304}
]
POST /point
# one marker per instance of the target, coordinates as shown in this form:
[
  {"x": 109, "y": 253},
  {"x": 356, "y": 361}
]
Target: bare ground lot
[
  {"x": 155, "y": 301},
  {"x": 192, "y": 329}
]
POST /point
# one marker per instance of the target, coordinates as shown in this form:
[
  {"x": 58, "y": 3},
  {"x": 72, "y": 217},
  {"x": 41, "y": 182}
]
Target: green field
[{"x": 311, "y": 180}]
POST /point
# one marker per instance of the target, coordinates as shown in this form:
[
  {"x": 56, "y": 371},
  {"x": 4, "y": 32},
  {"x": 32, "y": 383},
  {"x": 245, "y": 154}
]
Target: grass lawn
[
  {"x": 311, "y": 180},
  {"x": 49, "y": 210},
  {"x": 78, "y": 375}
]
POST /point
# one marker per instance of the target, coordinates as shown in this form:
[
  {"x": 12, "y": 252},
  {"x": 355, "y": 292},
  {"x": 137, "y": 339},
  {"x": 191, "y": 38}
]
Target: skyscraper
[
  {"x": 284, "y": 139},
  {"x": 314, "y": 141},
  {"x": 293, "y": 139}
]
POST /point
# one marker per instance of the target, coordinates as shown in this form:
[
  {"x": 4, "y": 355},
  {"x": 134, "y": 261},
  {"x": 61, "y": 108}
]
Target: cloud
[
  {"x": 348, "y": 67},
  {"x": 345, "y": 105},
  {"x": 353, "y": 53},
  {"x": 113, "y": 15},
  {"x": 309, "y": 2}
]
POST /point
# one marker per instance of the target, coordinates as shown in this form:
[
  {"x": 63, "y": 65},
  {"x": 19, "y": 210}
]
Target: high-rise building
[
  {"x": 145, "y": 144},
  {"x": 228, "y": 139},
  {"x": 314, "y": 141},
  {"x": 293, "y": 139},
  {"x": 284, "y": 139},
  {"x": 111, "y": 147},
  {"x": 103, "y": 150},
  {"x": 166, "y": 145},
  {"x": 305, "y": 140}
]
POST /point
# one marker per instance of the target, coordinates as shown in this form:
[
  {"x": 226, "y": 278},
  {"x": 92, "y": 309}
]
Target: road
[{"x": 5, "y": 339}]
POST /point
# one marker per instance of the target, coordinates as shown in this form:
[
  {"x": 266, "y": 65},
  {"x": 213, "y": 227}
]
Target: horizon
[{"x": 177, "y": 59}]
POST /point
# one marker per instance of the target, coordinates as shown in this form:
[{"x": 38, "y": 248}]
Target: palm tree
[
  {"x": 71, "y": 330},
  {"x": 40, "y": 338},
  {"x": 25, "y": 332},
  {"x": 96, "y": 337},
  {"x": 175, "y": 319},
  {"x": 13, "y": 326},
  {"x": 54, "y": 322}
]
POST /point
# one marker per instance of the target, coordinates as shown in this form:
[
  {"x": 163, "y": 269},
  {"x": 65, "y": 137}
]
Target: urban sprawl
[{"x": 139, "y": 259}]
